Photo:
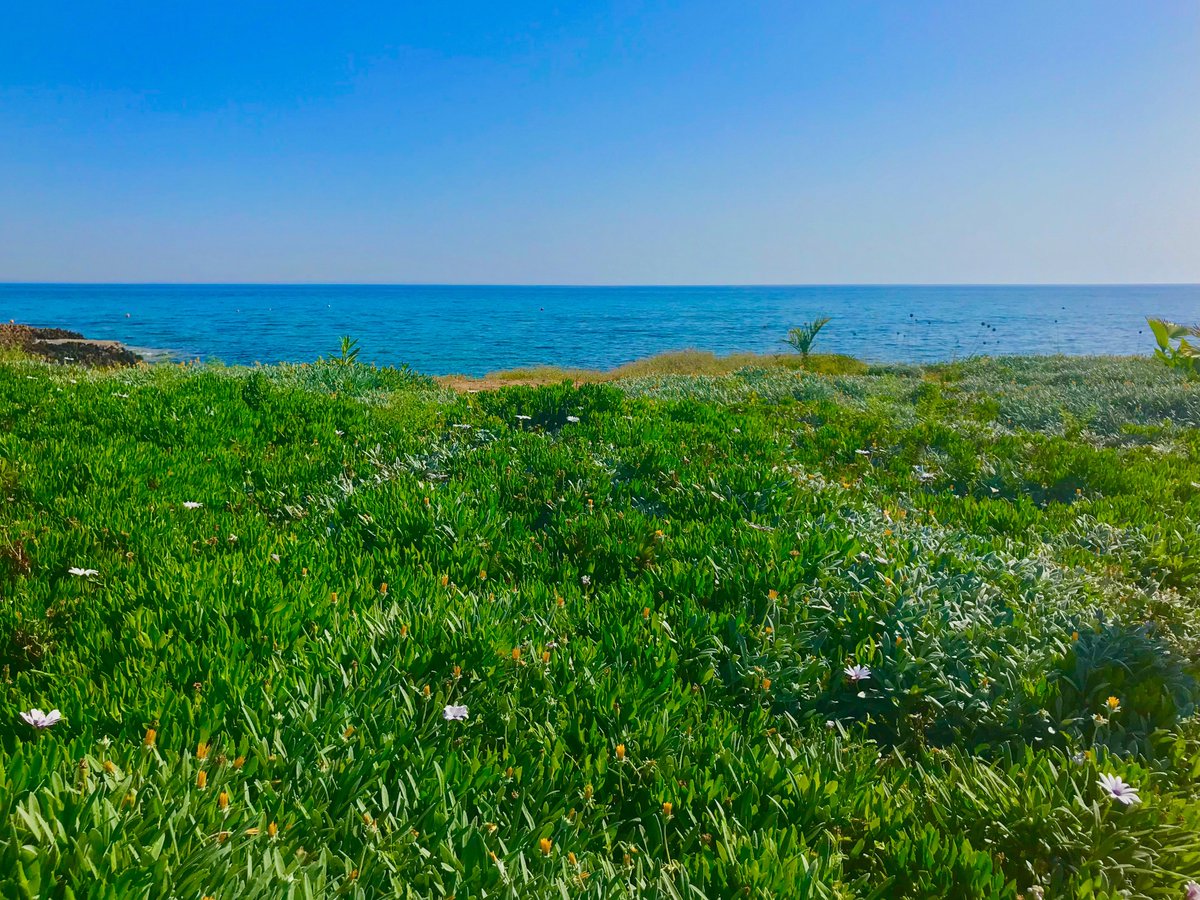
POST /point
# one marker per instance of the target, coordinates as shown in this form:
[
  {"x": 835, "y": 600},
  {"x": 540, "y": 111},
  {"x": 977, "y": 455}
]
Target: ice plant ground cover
[{"x": 659, "y": 599}]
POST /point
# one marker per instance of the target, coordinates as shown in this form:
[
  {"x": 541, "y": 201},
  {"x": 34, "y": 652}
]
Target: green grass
[{"x": 651, "y": 605}]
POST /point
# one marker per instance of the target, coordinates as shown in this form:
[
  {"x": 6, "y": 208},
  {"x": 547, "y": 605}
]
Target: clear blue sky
[{"x": 624, "y": 142}]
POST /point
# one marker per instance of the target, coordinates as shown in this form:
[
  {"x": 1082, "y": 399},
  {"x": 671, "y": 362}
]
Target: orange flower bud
[
  {"x": 223, "y": 800},
  {"x": 150, "y": 738},
  {"x": 546, "y": 844},
  {"x": 620, "y": 751},
  {"x": 201, "y": 779}
]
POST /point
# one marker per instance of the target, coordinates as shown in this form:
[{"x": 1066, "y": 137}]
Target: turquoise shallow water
[{"x": 473, "y": 330}]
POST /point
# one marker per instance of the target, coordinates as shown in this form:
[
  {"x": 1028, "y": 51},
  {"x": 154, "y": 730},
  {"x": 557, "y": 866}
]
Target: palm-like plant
[
  {"x": 350, "y": 350},
  {"x": 801, "y": 339},
  {"x": 1183, "y": 355}
]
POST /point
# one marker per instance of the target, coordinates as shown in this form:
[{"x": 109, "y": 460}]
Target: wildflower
[
  {"x": 588, "y": 790},
  {"x": 585, "y": 580},
  {"x": 150, "y": 738},
  {"x": 460, "y": 425},
  {"x": 572, "y": 419},
  {"x": 223, "y": 800},
  {"x": 272, "y": 830},
  {"x": 573, "y": 861},
  {"x": 560, "y": 602},
  {"x": 1191, "y": 891},
  {"x": 239, "y": 762},
  {"x": 348, "y": 733},
  {"x": 646, "y": 613},
  {"x": 458, "y": 671},
  {"x": 857, "y": 673},
  {"x": 83, "y": 573},
  {"x": 523, "y": 418},
  {"x": 546, "y": 844},
  {"x": 454, "y": 713},
  {"x": 202, "y": 750},
  {"x": 383, "y": 588},
  {"x": 41, "y": 720},
  {"x": 545, "y": 656},
  {"x": 863, "y": 452},
  {"x": 425, "y": 690},
  {"x": 1114, "y": 704},
  {"x": 191, "y": 504},
  {"x": 620, "y": 751},
  {"x": 516, "y": 654},
  {"x": 667, "y": 807},
  {"x": 1118, "y": 790},
  {"x": 772, "y": 594},
  {"x": 1074, "y": 636},
  {"x": 766, "y": 684},
  {"x": 202, "y": 779}
]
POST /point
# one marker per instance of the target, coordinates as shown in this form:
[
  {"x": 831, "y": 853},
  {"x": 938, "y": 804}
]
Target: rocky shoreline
[{"x": 63, "y": 346}]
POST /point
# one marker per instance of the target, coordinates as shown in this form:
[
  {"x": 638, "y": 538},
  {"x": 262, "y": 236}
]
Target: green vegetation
[
  {"x": 259, "y": 596},
  {"x": 801, "y": 339},
  {"x": 1180, "y": 355}
]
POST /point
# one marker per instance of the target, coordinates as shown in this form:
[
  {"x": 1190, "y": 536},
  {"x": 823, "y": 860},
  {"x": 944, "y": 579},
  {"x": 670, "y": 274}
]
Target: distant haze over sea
[{"x": 474, "y": 330}]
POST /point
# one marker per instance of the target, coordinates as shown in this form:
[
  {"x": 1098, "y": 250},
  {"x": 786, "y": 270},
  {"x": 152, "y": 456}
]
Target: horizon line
[{"x": 599, "y": 285}]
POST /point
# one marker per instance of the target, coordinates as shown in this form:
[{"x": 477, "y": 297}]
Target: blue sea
[{"x": 474, "y": 330}]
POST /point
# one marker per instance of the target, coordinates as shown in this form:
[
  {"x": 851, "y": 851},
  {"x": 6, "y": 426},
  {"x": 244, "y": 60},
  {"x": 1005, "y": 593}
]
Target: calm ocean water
[{"x": 473, "y": 330}]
